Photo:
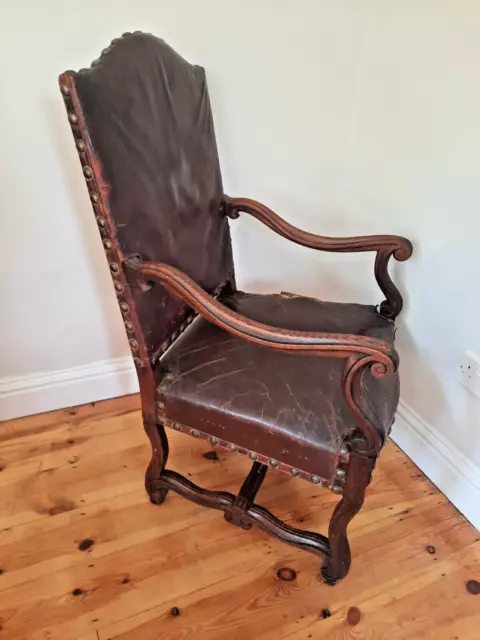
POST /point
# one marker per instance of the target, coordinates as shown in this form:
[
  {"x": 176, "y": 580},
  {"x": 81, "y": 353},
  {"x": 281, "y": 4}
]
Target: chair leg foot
[
  {"x": 158, "y": 496},
  {"x": 158, "y": 439},
  {"x": 327, "y": 577}
]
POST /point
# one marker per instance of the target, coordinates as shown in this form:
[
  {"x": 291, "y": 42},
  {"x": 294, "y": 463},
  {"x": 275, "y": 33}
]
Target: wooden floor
[{"x": 83, "y": 554}]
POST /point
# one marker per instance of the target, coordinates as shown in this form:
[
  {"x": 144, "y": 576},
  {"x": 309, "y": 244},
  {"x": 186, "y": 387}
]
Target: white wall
[{"x": 346, "y": 116}]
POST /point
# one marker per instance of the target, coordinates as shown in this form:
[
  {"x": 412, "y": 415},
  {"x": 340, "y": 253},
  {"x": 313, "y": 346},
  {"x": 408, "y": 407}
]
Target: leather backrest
[{"x": 145, "y": 115}]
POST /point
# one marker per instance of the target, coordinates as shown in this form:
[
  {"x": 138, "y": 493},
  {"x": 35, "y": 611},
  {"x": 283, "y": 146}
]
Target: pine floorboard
[{"x": 76, "y": 475}]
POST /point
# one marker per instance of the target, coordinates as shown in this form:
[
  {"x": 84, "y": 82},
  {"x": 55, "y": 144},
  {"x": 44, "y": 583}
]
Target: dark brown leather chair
[{"x": 305, "y": 387}]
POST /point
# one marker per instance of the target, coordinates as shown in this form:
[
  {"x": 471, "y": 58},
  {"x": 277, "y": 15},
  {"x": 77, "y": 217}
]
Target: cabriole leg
[
  {"x": 337, "y": 565},
  {"x": 158, "y": 439}
]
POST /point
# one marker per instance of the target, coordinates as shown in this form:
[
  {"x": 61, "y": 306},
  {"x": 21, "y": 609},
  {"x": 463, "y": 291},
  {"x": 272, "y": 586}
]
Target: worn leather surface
[
  {"x": 286, "y": 406},
  {"x": 148, "y": 117}
]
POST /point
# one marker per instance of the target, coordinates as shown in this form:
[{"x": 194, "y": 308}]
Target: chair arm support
[
  {"x": 381, "y": 355},
  {"x": 384, "y": 245}
]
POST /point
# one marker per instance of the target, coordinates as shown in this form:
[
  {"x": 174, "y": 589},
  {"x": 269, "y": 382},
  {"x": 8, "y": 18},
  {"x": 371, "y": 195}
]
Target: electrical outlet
[{"x": 469, "y": 372}]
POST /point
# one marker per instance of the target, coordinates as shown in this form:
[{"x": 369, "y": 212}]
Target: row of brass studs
[
  {"x": 271, "y": 462},
  {"x": 340, "y": 474},
  {"x": 101, "y": 222}
]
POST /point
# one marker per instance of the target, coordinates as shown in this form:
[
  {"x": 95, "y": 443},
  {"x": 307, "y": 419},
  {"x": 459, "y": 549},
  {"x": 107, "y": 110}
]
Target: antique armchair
[{"x": 305, "y": 387}]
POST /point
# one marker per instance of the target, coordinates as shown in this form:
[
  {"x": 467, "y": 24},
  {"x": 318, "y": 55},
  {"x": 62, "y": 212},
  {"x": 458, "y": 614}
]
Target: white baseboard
[
  {"x": 39, "y": 392},
  {"x": 453, "y": 473}
]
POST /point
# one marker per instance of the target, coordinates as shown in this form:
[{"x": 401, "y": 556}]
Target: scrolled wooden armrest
[
  {"x": 384, "y": 245},
  {"x": 381, "y": 356}
]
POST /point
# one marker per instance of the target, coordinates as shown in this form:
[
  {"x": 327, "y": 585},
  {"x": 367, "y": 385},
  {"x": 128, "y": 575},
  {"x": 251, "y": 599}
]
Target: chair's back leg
[{"x": 337, "y": 565}]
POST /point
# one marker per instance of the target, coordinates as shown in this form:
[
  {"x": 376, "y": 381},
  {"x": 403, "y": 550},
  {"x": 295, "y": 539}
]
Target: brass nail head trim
[
  {"x": 315, "y": 479},
  {"x": 107, "y": 244},
  {"x": 114, "y": 267},
  {"x": 336, "y": 489},
  {"x": 80, "y": 144},
  {"x": 194, "y": 433},
  {"x": 72, "y": 118},
  {"x": 344, "y": 450},
  {"x": 128, "y": 326},
  {"x": 133, "y": 344},
  {"x": 273, "y": 463},
  {"x": 101, "y": 222},
  {"x": 124, "y": 307},
  {"x": 340, "y": 473},
  {"x": 65, "y": 90},
  {"x": 118, "y": 287},
  {"x": 253, "y": 456},
  {"x": 94, "y": 197},
  {"x": 213, "y": 440},
  {"x": 138, "y": 362},
  {"x": 88, "y": 173},
  {"x": 295, "y": 472},
  {"x": 177, "y": 426},
  {"x": 232, "y": 447}
]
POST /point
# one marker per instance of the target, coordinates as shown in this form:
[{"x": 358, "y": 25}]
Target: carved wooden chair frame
[{"x": 358, "y": 452}]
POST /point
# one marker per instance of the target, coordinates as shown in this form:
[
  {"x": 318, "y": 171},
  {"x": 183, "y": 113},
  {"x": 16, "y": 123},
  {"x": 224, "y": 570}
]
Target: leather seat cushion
[{"x": 280, "y": 405}]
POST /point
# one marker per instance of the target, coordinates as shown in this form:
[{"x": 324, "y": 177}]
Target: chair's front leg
[
  {"x": 158, "y": 439},
  {"x": 336, "y": 566}
]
